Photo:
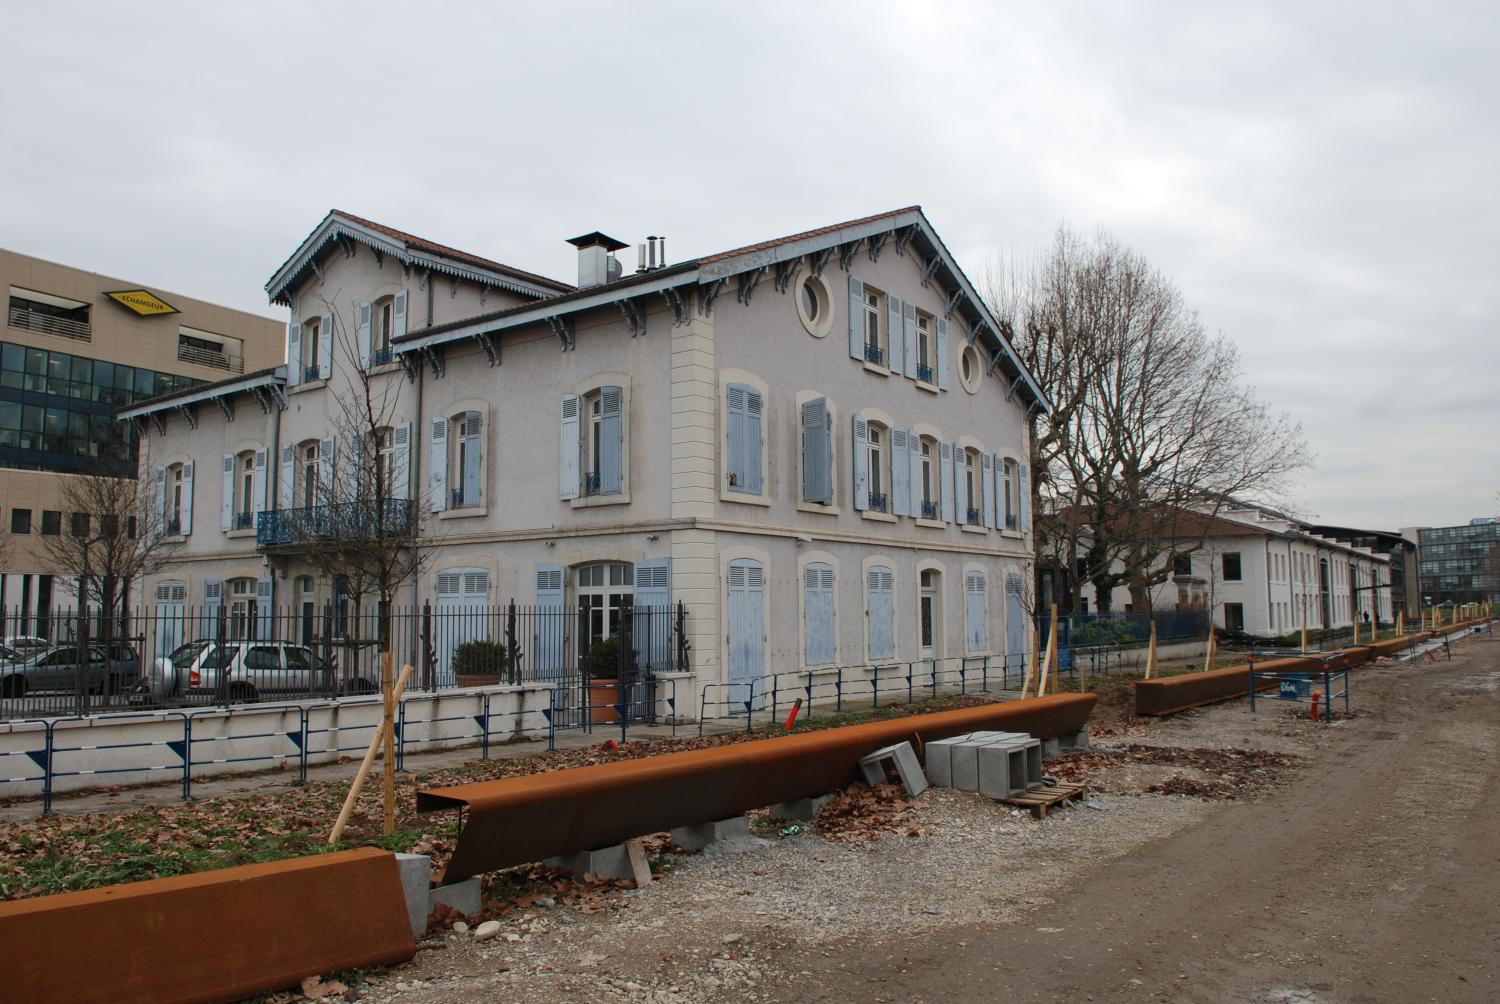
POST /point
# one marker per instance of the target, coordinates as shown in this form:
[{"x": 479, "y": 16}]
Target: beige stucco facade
[{"x": 675, "y": 499}]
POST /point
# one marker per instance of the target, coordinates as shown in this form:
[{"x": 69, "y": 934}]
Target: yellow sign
[{"x": 142, "y": 302}]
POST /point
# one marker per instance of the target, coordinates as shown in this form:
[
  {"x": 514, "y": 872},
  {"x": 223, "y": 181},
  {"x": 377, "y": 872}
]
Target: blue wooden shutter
[
  {"x": 1023, "y": 500},
  {"x": 746, "y": 636},
  {"x": 945, "y": 481},
  {"x": 1015, "y": 622},
  {"x": 293, "y": 354},
  {"x": 996, "y": 487},
  {"x": 735, "y": 466},
  {"x": 960, "y": 486},
  {"x": 187, "y": 497},
  {"x": 213, "y": 606},
  {"x": 398, "y": 316},
  {"x": 896, "y": 356},
  {"x": 437, "y": 463},
  {"x": 942, "y": 353},
  {"x": 363, "y": 334},
  {"x": 817, "y": 452},
  {"x": 286, "y": 487},
  {"x": 550, "y": 621},
  {"x": 652, "y": 627},
  {"x": 861, "y": 463},
  {"x": 909, "y": 326},
  {"x": 754, "y": 441},
  {"x": 856, "y": 318},
  {"x": 818, "y": 627},
  {"x": 901, "y": 486},
  {"x": 612, "y": 441},
  {"x": 977, "y": 612},
  {"x": 325, "y": 347},
  {"x": 265, "y": 595},
  {"x": 259, "y": 502},
  {"x": 986, "y": 490},
  {"x": 881, "y": 610},
  {"x": 327, "y": 453},
  {"x": 571, "y": 444},
  {"x": 400, "y": 486},
  {"x": 473, "y": 433},
  {"x": 226, "y": 494}
]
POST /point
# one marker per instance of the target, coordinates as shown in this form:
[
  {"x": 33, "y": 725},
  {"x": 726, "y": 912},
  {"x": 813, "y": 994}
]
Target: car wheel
[{"x": 13, "y": 686}]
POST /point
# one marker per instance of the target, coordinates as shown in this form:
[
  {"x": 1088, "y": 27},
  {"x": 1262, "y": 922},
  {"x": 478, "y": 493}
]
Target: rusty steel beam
[
  {"x": 214, "y": 936},
  {"x": 517, "y": 820}
]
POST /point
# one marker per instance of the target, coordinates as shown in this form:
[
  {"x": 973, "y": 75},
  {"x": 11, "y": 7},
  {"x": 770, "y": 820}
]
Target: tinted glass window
[{"x": 261, "y": 657}]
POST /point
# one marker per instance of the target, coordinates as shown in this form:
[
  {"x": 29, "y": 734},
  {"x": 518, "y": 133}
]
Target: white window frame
[
  {"x": 309, "y": 466},
  {"x": 175, "y": 477},
  {"x": 312, "y": 329},
  {"x": 877, "y": 457}
]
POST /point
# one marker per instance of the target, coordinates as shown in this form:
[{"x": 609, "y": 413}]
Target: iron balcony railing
[
  {"x": 461, "y": 502},
  {"x": 382, "y": 357},
  {"x": 342, "y": 521},
  {"x": 924, "y": 373},
  {"x": 878, "y": 502},
  {"x": 49, "y": 324},
  {"x": 208, "y": 357},
  {"x": 591, "y": 483},
  {"x": 929, "y": 510},
  {"x": 310, "y": 374},
  {"x": 875, "y": 354},
  {"x": 173, "y": 527},
  {"x": 972, "y": 517},
  {"x": 1010, "y": 521},
  {"x": 244, "y": 520}
]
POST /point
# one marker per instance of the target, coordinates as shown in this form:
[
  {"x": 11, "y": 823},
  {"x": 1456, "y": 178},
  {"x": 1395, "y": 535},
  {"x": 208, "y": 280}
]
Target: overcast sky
[{"x": 1320, "y": 179}]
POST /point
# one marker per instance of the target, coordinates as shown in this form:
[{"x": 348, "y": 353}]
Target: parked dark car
[{"x": 57, "y": 669}]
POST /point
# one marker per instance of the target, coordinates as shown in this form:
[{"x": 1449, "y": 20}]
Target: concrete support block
[
  {"x": 966, "y": 757},
  {"x": 904, "y": 759},
  {"x": 416, "y": 880},
  {"x": 461, "y": 896},
  {"x": 1002, "y": 769},
  {"x": 1051, "y": 748},
  {"x": 695, "y": 838},
  {"x": 1075, "y": 740},
  {"x": 605, "y": 862},
  {"x": 940, "y": 760},
  {"x": 803, "y": 810}
]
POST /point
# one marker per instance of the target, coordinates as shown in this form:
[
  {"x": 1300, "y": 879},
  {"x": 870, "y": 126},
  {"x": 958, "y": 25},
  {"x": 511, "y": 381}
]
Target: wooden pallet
[{"x": 1044, "y": 797}]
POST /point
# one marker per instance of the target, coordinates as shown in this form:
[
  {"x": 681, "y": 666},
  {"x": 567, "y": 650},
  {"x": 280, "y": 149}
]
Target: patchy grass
[{"x": 66, "y": 853}]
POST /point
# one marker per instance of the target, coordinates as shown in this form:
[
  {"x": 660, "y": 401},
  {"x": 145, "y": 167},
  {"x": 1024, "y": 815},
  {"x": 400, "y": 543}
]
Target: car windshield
[{"x": 187, "y": 653}]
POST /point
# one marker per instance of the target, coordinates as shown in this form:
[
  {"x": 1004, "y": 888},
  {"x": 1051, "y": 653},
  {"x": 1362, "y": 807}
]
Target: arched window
[
  {"x": 382, "y": 323},
  {"x": 312, "y": 341},
  {"x": 593, "y": 443},
  {"x": 243, "y": 612},
  {"x": 176, "y": 497},
  {"x": 931, "y": 486},
  {"x": 973, "y": 487},
  {"x": 603, "y": 589},
  {"x": 1011, "y": 522},
  {"x": 930, "y": 614},
  {"x": 244, "y": 490},
  {"x": 819, "y": 616},
  {"x": 879, "y": 454},
  {"x": 310, "y": 490},
  {"x": 976, "y": 612}
]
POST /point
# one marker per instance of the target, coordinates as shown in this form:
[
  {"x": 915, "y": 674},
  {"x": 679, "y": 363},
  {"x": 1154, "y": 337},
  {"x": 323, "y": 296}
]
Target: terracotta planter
[{"x": 604, "y": 694}]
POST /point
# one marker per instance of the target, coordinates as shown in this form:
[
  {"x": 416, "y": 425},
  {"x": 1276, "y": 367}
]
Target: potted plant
[{"x": 602, "y": 663}]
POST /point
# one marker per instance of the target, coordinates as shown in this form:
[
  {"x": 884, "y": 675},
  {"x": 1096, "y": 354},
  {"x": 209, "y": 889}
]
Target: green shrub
[
  {"x": 480, "y": 658},
  {"x": 603, "y": 659}
]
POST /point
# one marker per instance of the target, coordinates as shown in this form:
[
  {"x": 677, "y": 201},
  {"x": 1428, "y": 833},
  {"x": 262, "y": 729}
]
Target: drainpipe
[
  {"x": 414, "y": 463},
  {"x": 1266, "y": 544}
]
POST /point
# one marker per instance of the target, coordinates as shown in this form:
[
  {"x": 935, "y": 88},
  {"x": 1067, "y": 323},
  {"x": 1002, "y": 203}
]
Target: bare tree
[
  {"x": 1154, "y": 425},
  {"x": 116, "y": 534},
  {"x": 363, "y": 527}
]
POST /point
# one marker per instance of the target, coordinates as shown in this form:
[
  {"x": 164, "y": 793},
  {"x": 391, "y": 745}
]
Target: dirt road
[
  {"x": 1374, "y": 876},
  {"x": 1366, "y": 873}
]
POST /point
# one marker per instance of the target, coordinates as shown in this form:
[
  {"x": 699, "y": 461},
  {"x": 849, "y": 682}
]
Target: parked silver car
[
  {"x": 57, "y": 669},
  {"x": 249, "y": 671}
]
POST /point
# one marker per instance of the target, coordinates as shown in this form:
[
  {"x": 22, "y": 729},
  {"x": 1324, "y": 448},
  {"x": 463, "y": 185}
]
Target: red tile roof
[{"x": 793, "y": 238}]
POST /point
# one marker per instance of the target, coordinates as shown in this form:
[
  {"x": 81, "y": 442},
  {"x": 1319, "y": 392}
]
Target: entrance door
[
  {"x": 462, "y": 615},
  {"x": 171, "y": 600},
  {"x": 747, "y": 637},
  {"x": 929, "y": 615}
]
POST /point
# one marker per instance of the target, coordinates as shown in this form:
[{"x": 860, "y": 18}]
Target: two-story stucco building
[{"x": 815, "y": 446}]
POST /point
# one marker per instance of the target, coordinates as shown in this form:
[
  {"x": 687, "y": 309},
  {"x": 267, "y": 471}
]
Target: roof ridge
[{"x": 447, "y": 250}]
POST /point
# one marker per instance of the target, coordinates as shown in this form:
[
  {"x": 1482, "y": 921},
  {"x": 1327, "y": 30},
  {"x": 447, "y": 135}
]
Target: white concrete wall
[{"x": 133, "y": 748}]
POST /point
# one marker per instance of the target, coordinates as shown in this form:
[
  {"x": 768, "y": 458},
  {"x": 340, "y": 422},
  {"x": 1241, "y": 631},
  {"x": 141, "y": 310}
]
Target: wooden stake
[
  {"x": 639, "y": 866},
  {"x": 1151, "y": 652},
  {"x": 1036, "y": 643},
  {"x": 1356, "y": 629},
  {"x": 1401, "y": 623},
  {"x": 1304, "y": 625},
  {"x": 1041, "y": 690},
  {"x": 1210, "y": 649},
  {"x": 376, "y": 741}
]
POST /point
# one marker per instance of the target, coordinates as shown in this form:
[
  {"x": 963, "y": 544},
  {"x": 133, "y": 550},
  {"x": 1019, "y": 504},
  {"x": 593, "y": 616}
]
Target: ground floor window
[
  {"x": 242, "y": 609},
  {"x": 604, "y": 589}
]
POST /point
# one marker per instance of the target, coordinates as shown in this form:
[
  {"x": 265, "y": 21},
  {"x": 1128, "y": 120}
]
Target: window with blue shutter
[
  {"x": 817, "y": 452},
  {"x": 652, "y": 614},
  {"x": 611, "y": 441},
  {"x": 260, "y": 502},
  {"x": 977, "y": 633},
  {"x": 568, "y": 462},
  {"x": 469, "y": 492},
  {"x": 942, "y": 353},
  {"x": 226, "y": 494},
  {"x": 880, "y": 607},
  {"x": 549, "y": 636},
  {"x": 187, "y": 497},
  {"x": 861, "y": 463},
  {"x": 437, "y": 463},
  {"x": 745, "y": 436},
  {"x": 818, "y": 614},
  {"x": 265, "y": 610},
  {"x": 901, "y": 472},
  {"x": 1023, "y": 500},
  {"x": 325, "y": 347},
  {"x": 856, "y": 318},
  {"x": 946, "y": 487},
  {"x": 362, "y": 333},
  {"x": 293, "y": 354},
  {"x": 897, "y": 354},
  {"x": 986, "y": 490},
  {"x": 287, "y": 483}
]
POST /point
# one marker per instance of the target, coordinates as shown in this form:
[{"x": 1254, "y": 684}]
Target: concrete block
[
  {"x": 803, "y": 810},
  {"x": 461, "y": 896},
  {"x": 1075, "y": 740},
  {"x": 606, "y": 862},
  {"x": 1051, "y": 748},
  {"x": 1002, "y": 768},
  {"x": 695, "y": 838},
  {"x": 416, "y": 880},
  {"x": 940, "y": 760},
  {"x": 1033, "y": 763},
  {"x": 966, "y": 757},
  {"x": 904, "y": 759}
]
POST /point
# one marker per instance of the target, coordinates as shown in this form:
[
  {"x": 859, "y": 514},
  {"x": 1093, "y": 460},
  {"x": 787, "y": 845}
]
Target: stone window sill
[
  {"x": 935, "y": 524},
  {"x": 878, "y": 517},
  {"x": 465, "y": 512},
  {"x": 930, "y": 388},
  {"x": 969, "y": 528},
  {"x": 233, "y": 534},
  {"x": 818, "y": 510},
  {"x": 877, "y": 368},
  {"x": 591, "y": 501},
  {"x": 744, "y": 498}
]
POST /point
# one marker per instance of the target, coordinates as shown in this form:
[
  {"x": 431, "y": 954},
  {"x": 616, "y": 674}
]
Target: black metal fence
[{"x": 240, "y": 652}]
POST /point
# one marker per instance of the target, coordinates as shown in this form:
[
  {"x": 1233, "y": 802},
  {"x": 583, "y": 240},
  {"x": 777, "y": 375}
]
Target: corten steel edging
[
  {"x": 213, "y": 936},
  {"x": 517, "y": 820}
]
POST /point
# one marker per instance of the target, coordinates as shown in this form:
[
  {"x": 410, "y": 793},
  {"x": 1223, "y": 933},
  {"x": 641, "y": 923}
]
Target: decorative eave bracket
[
  {"x": 189, "y": 413},
  {"x": 876, "y": 244},
  {"x": 682, "y": 311},
  {"x": 226, "y": 408},
  {"x": 904, "y": 238},
  {"x": 786, "y": 274},
  {"x": 435, "y": 360},
  {"x": 634, "y": 316},
  {"x": 490, "y": 342},
  {"x": 930, "y": 269},
  {"x": 818, "y": 261},
  {"x": 847, "y": 253},
  {"x": 1010, "y": 391},
  {"x": 410, "y": 364},
  {"x": 954, "y": 298},
  {"x": 708, "y": 292},
  {"x": 563, "y": 329},
  {"x": 156, "y": 420},
  {"x": 748, "y": 282}
]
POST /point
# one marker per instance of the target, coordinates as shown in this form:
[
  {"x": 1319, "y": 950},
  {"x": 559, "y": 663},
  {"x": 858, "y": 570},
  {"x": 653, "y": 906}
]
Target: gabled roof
[
  {"x": 914, "y": 234},
  {"x": 409, "y": 250},
  {"x": 274, "y": 376}
]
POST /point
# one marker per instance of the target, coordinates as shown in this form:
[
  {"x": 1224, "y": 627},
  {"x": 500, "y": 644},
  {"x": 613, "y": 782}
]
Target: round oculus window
[
  {"x": 969, "y": 368},
  {"x": 814, "y": 308}
]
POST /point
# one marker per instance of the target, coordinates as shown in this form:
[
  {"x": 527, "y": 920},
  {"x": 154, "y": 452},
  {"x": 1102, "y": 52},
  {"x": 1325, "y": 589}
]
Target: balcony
[
  {"x": 1010, "y": 521},
  {"x": 342, "y": 521},
  {"x": 171, "y": 528},
  {"x": 459, "y": 501},
  {"x": 874, "y": 354},
  {"x": 49, "y": 324},
  {"x": 929, "y": 510},
  {"x": 591, "y": 483},
  {"x": 310, "y": 374},
  {"x": 381, "y": 357},
  {"x": 207, "y": 357},
  {"x": 971, "y": 517},
  {"x": 878, "y": 502},
  {"x": 924, "y": 373},
  {"x": 244, "y": 520}
]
